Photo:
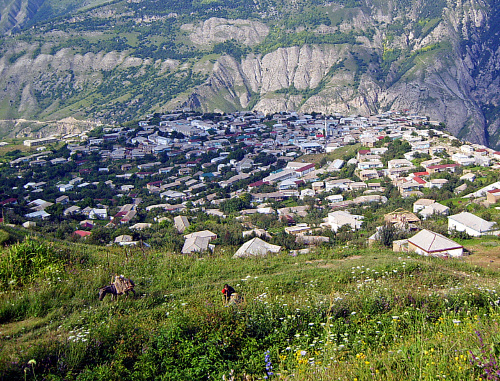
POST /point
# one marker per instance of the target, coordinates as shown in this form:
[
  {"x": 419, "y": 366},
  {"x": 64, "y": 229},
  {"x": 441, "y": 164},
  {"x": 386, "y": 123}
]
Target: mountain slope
[{"x": 121, "y": 60}]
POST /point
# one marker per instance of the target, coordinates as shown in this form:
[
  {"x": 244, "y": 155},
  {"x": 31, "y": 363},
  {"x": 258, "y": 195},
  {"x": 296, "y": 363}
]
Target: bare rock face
[
  {"x": 216, "y": 30},
  {"x": 268, "y": 105},
  {"x": 28, "y": 101},
  {"x": 301, "y": 67}
]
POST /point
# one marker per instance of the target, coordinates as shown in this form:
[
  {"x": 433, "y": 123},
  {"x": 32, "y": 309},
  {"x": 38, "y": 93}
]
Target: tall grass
[
  {"x": 326, "y": 315},
  {"x": 23, "y": 262}
]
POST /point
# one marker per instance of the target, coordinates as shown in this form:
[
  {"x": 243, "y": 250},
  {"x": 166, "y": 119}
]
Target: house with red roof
[
  {"x": 362, "y": 153},
  {"x": 442, "y": 168},
  {"x": 305, "y": 169},
  {"x": 154, "y": 184},
  {"x": 420, "y": 174},
  {"x": 419, "y": 180},
  {"x": 8, "y": 201},
  {"x": 257, "y": 184},
  {"x": 493, "y": 196},
  {"x": 82, "y": 233}
]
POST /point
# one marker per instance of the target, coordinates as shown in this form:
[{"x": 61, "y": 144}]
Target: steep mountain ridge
[
  {"x": 17, "y": 12},
  {"x": 123, "y": 59}
]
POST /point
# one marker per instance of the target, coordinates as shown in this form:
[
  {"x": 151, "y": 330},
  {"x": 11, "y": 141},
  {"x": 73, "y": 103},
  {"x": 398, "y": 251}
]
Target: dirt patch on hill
[
  {"x": 485, "y": 254},
  {"x": 324, "y": 264}
]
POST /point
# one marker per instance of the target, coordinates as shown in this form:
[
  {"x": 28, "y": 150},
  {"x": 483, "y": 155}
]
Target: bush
[
  {"x": 460, "y": 234},
  {"x": 25, "y": 261},
  {"x": 388, "y": 234},
  {"x": 4, "y": 237}
]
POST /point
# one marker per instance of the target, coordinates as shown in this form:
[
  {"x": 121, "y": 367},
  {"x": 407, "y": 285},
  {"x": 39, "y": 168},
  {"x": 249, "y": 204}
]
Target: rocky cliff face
[
  {"x": 437, "y": 58},
  {"x": 219, "y": 30}
]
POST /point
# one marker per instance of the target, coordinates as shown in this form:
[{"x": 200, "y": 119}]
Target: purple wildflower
[
  {"x": 269, "y": 365},
  {"x": 486, "y": 360}
]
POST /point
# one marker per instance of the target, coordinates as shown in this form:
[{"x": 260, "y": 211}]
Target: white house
[
  {"x": 463, "y": 159},
  {"x": 38, "y": 214},
  {"x": 342, "y": 184},
  {"x": 265, "y": 210},
  {"x": 436, "y": 183},
  {"x": 471, "y": 224},
  {"x": 466, "y": 149},
  {"x": 172, "y": 195},
  {"x": 334, "y": 198},
  {"x": 422, "y": 204},
  {"x": 280, "y": 176},
  {"x": 468, "y": 177},
  {"x": 340, "y": 218},
  {"x": 435, "y": 208},
  {"x": 482, "y": 161},
  {"x": 125, "y": 240},
  {"x": 181, "y": 223},
  {"x": 428, "y": 243},
  {"x": 308, "y": 192},
  {"x": 256, "y": 247},
  {"x": 98, "y": 214},
  {"x": 335, "y": 165},
  {"x": 197, "y": 244},
  {"x": 399, "y": 163},
  {"x": 65, "y": 187},
  {"x": 370, "y": 164},
  {"x": 287, "y": 184},
  {"x": 72, "y": 210},
  {"x": 203, "y": 234}
]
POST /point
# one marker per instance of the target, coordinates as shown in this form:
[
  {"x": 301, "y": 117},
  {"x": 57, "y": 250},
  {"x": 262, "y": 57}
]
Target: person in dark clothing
[{"x": 227, "y": 291}]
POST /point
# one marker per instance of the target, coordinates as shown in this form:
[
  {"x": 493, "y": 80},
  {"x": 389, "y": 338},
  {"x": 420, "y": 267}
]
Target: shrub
[
  {"x": 25, "y": 261},
  {"x": 460, "y": 234},
  {"x": 388, "y": 234}
]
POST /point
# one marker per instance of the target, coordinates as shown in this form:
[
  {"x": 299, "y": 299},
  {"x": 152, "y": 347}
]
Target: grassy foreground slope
[{"x": 339, "y": 314}]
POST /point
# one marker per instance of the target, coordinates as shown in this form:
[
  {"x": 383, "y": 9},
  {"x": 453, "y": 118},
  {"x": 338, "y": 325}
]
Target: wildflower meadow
[{"x": 344, "y": 314}]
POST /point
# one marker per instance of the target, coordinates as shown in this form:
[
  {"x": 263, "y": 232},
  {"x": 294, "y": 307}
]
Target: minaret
[{"x": 325, "y": 134}]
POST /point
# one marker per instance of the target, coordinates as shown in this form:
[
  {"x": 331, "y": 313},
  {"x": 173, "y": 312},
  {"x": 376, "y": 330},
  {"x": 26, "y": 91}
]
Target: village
[{"x": 195, "y": 184}]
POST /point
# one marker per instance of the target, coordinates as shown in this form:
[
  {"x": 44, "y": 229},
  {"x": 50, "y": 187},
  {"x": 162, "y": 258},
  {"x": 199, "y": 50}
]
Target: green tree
[
  {"x": 236, "y": 204},
  {"x": 387, "y": 235}
]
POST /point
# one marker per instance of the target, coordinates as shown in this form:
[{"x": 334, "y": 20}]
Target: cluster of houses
[
  {"x": 429, "y": 243},
  {"x": 186, "y": 139}
]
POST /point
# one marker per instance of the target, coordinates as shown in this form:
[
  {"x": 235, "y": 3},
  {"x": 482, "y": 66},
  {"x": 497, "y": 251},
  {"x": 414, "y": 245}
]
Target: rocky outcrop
[
  {"x": 35, "y": 129},
  {"x": 216, "y": 30}
]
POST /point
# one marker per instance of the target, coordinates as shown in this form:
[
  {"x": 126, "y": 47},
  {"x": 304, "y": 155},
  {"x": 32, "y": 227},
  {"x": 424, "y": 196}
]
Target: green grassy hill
[{"x": 345, "y": 313}]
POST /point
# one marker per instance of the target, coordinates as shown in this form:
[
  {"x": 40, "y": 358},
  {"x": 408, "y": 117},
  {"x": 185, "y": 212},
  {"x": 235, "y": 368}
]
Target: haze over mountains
[{"x": 119, "y": 60}]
